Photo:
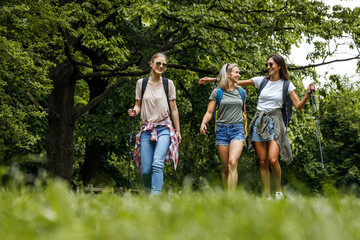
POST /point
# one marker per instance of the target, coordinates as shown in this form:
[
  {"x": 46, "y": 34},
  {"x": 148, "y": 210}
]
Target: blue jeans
[
  {"x": 152, "y": 159},
  {"x": 256, "y": 137},
  {"x": 226, "y": 133}
]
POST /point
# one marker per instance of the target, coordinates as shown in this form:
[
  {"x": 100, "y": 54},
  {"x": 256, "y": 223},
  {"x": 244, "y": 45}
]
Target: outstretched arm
[
  {"x": 207, "y": 116},
  {"x": 248, "y": 82},
  {"x": 300, "y": 104}
]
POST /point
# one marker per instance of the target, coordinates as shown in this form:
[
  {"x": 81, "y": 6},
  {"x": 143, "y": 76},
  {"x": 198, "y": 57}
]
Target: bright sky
[{"x": 348, "y": 68}]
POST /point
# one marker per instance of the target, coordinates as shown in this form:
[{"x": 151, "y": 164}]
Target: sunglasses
[
  {"x": 158, "y": 64},
  {"x": 267, "y": 64}
]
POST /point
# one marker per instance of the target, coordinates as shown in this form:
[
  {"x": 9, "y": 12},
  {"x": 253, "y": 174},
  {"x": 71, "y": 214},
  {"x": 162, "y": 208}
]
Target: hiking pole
[
  {"x": 317, "y": 127},
  {"x": 131, "y": 133}
]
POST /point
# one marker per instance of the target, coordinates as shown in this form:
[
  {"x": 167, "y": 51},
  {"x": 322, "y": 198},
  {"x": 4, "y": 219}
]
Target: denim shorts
[
  {"x": 256, "y": 137},
  {"x": 226, "y": 133}
]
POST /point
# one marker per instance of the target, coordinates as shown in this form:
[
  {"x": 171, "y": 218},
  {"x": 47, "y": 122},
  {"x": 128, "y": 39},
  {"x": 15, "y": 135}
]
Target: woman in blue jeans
[
  {"x": 157, "y": 140},
  {"x": 230, "y": 123}
]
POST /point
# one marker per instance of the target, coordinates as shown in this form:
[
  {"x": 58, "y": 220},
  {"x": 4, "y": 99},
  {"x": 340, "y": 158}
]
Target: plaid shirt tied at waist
[{"x": 173, "y": 152}]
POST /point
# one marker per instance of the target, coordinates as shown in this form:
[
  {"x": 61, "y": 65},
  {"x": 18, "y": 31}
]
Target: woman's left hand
[
  {"x": 311, "y": 87},
  {"x": 178, "y": 136}
]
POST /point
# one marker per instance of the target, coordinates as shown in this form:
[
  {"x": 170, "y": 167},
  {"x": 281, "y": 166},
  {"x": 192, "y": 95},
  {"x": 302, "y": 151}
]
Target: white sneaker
[{"x": 279, "y": 195}]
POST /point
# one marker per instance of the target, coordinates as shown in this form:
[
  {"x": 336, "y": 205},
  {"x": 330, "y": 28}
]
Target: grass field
[{"x": 57, "y": 213}]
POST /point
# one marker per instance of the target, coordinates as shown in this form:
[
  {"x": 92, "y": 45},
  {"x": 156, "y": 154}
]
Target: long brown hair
[{"x": 281, "y": 62}]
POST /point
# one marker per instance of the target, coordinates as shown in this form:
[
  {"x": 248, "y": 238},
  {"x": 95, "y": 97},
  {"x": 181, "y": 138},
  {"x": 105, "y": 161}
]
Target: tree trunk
[
  {"x": 62, "y": 117},
  {"x": 93, "y": 167},
  {"x": 93, "y": 170}
]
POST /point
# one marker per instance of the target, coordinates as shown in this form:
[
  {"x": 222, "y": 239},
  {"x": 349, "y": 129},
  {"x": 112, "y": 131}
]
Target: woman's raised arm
[{"x": 248, "y": 82}]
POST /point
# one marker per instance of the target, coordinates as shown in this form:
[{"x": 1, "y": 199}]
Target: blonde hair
[
  {"x": 157, "y": 55},
  {"x": 226, "y": 68}
]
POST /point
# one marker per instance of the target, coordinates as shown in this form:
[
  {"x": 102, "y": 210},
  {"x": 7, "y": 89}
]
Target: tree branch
[
  {"x": 172, "y": 18},
  {"x": 109, "y": 75},
  {"x": 95, "y": 101},
  {"x": 324, "y": 63},
  {"x": 185, "y": 90},
  {"x": 198, "y": 70},
  {"x": 107, "y": 20},
  {"x": 195, "y": 45},
  {"x": 97, "y": 68}
]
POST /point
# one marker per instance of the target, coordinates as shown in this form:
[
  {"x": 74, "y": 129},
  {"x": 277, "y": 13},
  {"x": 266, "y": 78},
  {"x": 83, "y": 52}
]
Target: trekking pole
[
  {"x": 131, "y": 133},
  {"x": 317, "y": 127}
]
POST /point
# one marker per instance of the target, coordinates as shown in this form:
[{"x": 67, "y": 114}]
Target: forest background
[{"x": 69, "y": 69}]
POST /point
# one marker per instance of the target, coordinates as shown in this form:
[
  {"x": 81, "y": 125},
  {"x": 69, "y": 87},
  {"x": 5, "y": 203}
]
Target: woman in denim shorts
[
  {"x": 230, "y": 122},
  {"x": 267, "y": 130}
]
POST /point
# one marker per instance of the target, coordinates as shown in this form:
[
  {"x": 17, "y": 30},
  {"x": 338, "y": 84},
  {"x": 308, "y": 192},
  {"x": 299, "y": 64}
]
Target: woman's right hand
[
  {"x": 206, "y": 80},
  {"x": 203, "y": 129},
  {"x": 132, "y": 112}
]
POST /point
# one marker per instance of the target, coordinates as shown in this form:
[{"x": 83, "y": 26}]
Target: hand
[
  {"x": 310, "y": 88},
  {"x": 206, "y": 80},
  {"x": 178, "y": 136},
  {"x": 203, "y": 129},
  {"x": 132, "y": 112}
]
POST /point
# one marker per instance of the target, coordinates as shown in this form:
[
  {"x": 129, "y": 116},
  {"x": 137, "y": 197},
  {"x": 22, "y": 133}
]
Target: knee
[
  {"x": 232, "y": 165},
  {"x": 157, "y": 166},
  {"x": 225, "y": 170},
  {"x": 274, "y": 162},
  {"x": 145, "y": 171},
  {"x": 264, "y": 163}
]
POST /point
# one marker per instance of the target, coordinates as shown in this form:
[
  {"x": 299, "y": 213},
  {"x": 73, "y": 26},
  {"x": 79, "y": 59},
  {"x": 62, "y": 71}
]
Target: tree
[{"x": 106, "y": 44}]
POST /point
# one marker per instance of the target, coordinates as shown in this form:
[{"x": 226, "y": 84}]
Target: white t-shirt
[{"x": 271, "y": 96}]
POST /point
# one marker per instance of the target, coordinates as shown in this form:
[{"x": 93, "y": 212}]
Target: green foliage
[
  {"x": 338, "y": 117},
  {"x": 56, "y": 213},
  {"x": 20, "y": 74},
  {"x": 107, "y": 40}
]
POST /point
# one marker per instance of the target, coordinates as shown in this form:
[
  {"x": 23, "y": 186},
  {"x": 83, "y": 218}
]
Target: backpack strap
[
  {"x": 166, "y": 89},
  {"x": 242, "y": 93},
  {"x": 287, "y": 105},
  {"x": 285, "y": 89},
  {"x": 219, "y": 94},
  {"x": 243, "y": 96},
  {"x": 262, "y": 84},
  {"x": 143, "y": 87}
]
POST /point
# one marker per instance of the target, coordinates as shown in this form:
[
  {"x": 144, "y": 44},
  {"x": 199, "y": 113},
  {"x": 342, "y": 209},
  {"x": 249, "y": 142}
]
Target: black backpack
[
  {"x": 166, "y": 89},
  {"x": 287, "y": 105}
]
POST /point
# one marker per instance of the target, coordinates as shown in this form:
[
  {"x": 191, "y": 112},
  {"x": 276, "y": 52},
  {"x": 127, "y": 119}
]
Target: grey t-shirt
[{"x": 230, "y": 109}]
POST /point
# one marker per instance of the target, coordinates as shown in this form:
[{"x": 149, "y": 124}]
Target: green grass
[{"x": 57, "y": 213}]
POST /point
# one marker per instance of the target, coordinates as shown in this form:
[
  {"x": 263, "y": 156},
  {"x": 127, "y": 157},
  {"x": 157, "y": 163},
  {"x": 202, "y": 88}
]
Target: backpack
[
  {"x": 287, "y": 105},
  {"x": 218, "y": 100},
  {"x": 165, "y": 82}
]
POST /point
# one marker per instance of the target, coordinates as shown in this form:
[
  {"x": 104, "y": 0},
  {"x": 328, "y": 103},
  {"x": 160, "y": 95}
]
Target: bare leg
[
  {"x": 261, "y": 150},
  {"x": 274, "y": 163},
  {"x": 224, "y": 156},
  {"x": 235, "y": 150}
]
